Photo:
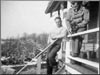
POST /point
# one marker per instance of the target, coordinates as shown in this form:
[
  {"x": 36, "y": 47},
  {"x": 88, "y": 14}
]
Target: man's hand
[
  {"x": 54, "y": 38},
  {"x": 75, "y": 26},
  {"x": 69, "y": 31}
]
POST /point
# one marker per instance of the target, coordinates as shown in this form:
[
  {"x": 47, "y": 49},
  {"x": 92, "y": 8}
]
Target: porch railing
[
  {"x": 36, "y": 57},
  {"x": 87, "y": 62},
  {"x": 69, "y": 36}
]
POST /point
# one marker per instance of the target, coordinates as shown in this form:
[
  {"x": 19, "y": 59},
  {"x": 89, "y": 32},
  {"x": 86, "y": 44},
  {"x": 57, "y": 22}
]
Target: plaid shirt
[{"x": 80, "y": 17}]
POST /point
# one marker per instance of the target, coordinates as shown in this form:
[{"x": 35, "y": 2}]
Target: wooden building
[
  {"x": 89, "y": 57},
  {"x": 90, "y": 47}
]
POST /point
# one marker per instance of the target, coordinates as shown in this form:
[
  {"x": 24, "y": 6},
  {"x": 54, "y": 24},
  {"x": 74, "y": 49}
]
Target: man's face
[
  {"x": 58, "y": 22},
  {"x": 75, "y": 5}
]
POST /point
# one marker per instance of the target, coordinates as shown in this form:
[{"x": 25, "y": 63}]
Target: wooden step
[
  {"x": 61, "y": 70},
  {"x": 77, "y": 69},
  {"x": 84, "y": 61},
  {"x": 71, "y": 70}
]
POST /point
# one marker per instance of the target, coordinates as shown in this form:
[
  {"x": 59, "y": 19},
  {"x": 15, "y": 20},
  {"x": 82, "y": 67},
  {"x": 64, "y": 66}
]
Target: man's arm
[
  {"x": 61, "y": 34},
  {"x": 76, "y": 21},
  {"x": 67, "y": 21},
  {"x": 78, "y": 15},
  {"x": 85, "y": 18},
  {"x": 52, "y": 36},
  {"x": 68, "y": 26}
]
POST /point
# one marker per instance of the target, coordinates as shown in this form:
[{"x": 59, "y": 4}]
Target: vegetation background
[{"x": 18, "y": 50}]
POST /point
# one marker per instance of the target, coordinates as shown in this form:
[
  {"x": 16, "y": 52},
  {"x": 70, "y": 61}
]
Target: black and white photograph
[{"x": 50, "y": 37}]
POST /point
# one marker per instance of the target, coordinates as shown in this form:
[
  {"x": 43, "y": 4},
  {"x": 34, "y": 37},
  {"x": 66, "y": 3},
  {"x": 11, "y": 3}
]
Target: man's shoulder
[
  {"x": 63, "y": 28},
  {"x": 71, "y": 9},
  {"x": 85, "y": 9}
]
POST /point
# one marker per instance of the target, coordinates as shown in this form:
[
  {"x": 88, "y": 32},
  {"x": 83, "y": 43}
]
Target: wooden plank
[
  {"x": 78, "y": 69},
  {"x": 60, "y": 70},
  {"x": 71, "y": 70},
  {"x": 89, "y": 47},
  {"x": 90, "y": 63},
  {"x": 39, "y": 65},
  {"x": 56, "y": 6},
  {"x": 45, "y": 49},
  {"x": 84, "y": 32}
]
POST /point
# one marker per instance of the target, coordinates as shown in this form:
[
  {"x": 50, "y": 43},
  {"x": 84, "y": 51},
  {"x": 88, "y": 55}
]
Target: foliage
[{"x": 25, "y": 47}]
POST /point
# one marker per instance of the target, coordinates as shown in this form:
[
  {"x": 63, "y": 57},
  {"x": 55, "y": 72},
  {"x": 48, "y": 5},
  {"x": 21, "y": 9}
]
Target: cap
[{"x": 79, "y": 2}]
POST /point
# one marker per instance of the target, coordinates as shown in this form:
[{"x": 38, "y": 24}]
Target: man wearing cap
[
  {"x": 57, "y": 35},
  {"x": 77, "y": 20}
]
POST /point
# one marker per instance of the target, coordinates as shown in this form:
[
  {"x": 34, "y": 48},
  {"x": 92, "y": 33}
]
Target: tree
[{"x": 27, "y": 46}]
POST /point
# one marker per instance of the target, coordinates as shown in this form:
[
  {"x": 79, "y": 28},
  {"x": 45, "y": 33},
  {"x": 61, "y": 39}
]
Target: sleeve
[
  {"x": 68, "y": 17},
  {"x": 49, "y": 39},
  {"x": 52, "y": 35},
  {"x": 77, "y": 20},
  {"x": 62, "y": 33},
  {"x": 67, "y": 21},
  {"x": 78, "y": 15},
  {"x": 85, "y": 18}
]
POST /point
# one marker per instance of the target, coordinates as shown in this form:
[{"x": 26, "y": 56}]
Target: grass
[
  {"x": 33, "y": 71},
  {"x": 7, "y": 70}
]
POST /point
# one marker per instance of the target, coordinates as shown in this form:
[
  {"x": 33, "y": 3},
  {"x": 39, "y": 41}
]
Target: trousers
[
  {"x": 51, "y": 54},
  {"x": 77, "y": 42}
]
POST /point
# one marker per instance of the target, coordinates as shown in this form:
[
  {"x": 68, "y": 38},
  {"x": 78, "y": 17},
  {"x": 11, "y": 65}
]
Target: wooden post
[
  {"x": 86, "y": 36},
  {"x": 68, "y": 50},
  {"x": 98, "y": 34},
  {"x": 39, "y": 65},
  {"x": 1, "y": 68},
  {"x": 63, "y": 49}
]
